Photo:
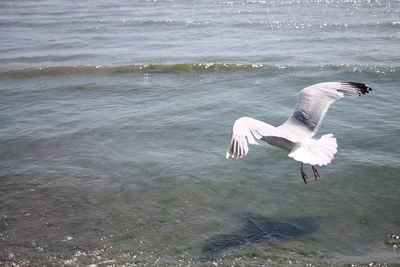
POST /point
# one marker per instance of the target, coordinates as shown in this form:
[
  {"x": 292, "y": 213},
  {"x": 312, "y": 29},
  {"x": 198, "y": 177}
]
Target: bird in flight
[{"x": 296, "y": 134}]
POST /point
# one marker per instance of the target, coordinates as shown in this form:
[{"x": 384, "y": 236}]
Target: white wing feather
[{"x": 246, "y": 131}]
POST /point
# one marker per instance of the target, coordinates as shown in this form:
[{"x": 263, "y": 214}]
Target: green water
[{"x": 130, "y": 169}]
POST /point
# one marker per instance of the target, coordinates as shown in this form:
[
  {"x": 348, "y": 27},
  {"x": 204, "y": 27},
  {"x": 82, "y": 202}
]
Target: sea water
[{"x": 115, "y": 117}]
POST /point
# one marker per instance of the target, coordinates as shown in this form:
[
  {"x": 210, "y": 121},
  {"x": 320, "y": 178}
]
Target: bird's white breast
[{"x": 279, "y": 142}]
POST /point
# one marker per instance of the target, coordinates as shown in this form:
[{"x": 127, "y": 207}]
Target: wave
[
  {"x": 187, "y": 67},
  {"x": 274, "y": 24},
  {"x": 136, "y": 68},
  {"x": 280, "y": 24}
]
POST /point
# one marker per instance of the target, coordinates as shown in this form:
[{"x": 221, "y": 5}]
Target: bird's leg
[
  {"x": 303, "y": 174},
  {"x": 316, "y": 174}
]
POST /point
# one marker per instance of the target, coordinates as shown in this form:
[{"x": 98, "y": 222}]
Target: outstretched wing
[
  {"x": 313, "y": 103},
  {"x": 246, "y": 131}
]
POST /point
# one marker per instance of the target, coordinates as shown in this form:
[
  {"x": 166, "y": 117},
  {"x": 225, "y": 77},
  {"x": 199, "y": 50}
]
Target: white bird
[{"x": 296, "y": 134}]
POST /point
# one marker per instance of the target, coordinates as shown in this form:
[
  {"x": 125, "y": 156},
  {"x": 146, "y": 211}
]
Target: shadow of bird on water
[{"x": 257, "y": 229}]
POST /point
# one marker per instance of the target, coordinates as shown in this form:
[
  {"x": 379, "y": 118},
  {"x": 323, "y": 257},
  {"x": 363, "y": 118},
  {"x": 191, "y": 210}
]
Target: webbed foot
[
  {"x": 303, "y": 174},
  {"x": 315, "y": 171}
]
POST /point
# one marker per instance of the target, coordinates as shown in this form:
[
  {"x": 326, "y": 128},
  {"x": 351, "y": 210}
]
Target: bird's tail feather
[{"x": 315, "y": 152}]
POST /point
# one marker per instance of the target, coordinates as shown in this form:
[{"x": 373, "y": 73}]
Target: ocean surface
[{"x": 115, "y": 117}]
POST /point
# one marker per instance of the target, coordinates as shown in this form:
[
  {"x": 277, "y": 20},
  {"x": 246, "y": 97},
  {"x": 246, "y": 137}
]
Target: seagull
[{"x": 296, "y": 134}]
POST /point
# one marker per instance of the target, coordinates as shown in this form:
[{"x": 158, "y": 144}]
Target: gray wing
[{"x": 313, "y": 103}]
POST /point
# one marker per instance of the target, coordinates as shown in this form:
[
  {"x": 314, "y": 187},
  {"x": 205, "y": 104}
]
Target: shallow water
[{"x": 115, "y": 120}]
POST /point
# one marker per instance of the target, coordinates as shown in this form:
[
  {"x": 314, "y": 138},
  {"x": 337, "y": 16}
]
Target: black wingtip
[{"x": 362, "y": 88}]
